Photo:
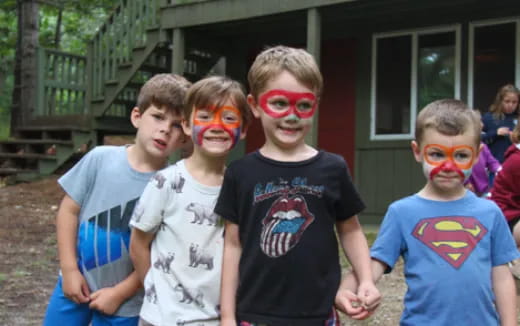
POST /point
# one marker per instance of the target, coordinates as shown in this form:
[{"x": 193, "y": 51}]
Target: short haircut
[
  {"x": 272, "y": 61},
  {"x": 164, "y": 91},
  {"x": 214, "y": 91},
  {"x": 496, "y": 107},
  {"x": 449, "y": 117}
]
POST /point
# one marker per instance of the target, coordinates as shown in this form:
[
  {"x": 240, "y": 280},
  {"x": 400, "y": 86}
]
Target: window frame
[
  {"x": 415, "y": 34},
  {"x": 471, "y": 50}
]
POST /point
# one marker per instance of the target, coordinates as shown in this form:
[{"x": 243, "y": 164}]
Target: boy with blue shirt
[
  {"x": 455, "y": 246},
  {"x": 97, "y": 283}
]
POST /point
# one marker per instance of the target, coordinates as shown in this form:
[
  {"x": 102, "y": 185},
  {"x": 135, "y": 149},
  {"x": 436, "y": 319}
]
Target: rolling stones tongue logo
[
  {"x": 284, "y": 225},
  {"x": 452, "y": 237}
]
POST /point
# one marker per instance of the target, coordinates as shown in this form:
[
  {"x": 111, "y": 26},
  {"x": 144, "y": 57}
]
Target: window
[
  {"x": 409, "y": 70},
  {"x": 492, "y": 62}
]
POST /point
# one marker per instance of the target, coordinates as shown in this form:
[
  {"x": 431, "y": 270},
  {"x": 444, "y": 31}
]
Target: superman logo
[
  {"x": 284, "y": 225},
  {"x": 452, "y": 237}
]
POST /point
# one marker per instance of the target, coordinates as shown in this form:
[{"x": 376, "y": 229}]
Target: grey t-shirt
[{"x": 107, "y": 189}]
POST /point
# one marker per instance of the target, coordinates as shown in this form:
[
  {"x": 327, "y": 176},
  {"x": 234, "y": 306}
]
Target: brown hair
[
  {"x": 163, "y": 91},
  {"x": 449, "y": 117},
  {"x": 496, "y": 107},
  {"x": 515, "y": 135},
  {"x": 215, "y": 91},
  {"x": 272, "y": 61}
]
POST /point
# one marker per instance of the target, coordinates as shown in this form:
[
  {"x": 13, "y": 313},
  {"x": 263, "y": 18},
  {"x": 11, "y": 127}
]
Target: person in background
[
  {"x": 483, "y": 171},
  {"x": 506, "y": 191},
  {"x": 500, "y": 121}
]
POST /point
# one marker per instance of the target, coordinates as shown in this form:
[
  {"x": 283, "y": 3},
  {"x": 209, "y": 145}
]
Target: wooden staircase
[
  {"x": 81, "y": 99},
  {"x": 40, "y": 151}
]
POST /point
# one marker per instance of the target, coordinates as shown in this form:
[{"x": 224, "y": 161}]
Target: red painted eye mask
[{"x": 279, "y": 103}]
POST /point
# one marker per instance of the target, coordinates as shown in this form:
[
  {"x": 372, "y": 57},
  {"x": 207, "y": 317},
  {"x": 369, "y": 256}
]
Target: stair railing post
[
  {"x": 177, "y": 68},
  {"x": 89, "y": 82},
  {"x": 178, "y": 51},
  {"x": 40, "y": 86}
]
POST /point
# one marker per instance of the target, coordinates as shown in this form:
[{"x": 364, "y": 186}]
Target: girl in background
[{"x": 500, "y": 121}]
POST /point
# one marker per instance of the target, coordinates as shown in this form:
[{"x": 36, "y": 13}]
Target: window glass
[
  {"x": 493, "y": 62},
  {"x": 436, "y": 68},
  {"x": 393, "y": 73}
]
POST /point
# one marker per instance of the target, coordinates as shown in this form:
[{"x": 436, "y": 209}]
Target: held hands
[
  {"x": 75, "y": 287},
  {"x": 106, "y": 300},
  {"x": 361, "y": 305}
]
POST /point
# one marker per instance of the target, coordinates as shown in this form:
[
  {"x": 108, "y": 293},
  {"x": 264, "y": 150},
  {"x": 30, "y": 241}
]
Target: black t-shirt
[{"x": 289, "y": 270}]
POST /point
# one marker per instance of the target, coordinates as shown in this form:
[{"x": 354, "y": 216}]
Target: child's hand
[
  {"x": 106, "y": 300},
  {"x": 503, "y": 131},
  {"x": 75, "y": 287},
  {"x": 469, "y": 186},
  {"x": 349, "y": 303},
  {"x": 369, "y": 296}
]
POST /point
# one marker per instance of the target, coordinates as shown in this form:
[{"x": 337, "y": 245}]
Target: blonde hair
[
  {"x": 272, "y": 61},
  {"x": 496, "y": 107},
  {"x": 214, "y": 91},
  {"x": 449, "y": 117},
  {"x": 163, "y": 91}
]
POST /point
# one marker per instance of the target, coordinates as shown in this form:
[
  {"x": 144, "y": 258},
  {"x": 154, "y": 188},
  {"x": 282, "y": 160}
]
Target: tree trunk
[{"x": 25, "y": 71}]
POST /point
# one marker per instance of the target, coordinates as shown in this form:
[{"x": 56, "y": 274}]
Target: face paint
[
  {"x": 226, "y": 118},
  {"x": 439, "y": 158},
  {"x": 279, "y": 103}
]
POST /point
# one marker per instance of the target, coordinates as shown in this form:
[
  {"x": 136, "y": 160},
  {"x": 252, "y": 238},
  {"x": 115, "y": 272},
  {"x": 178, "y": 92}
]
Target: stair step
[
  {"x": 13, "y": 171},
  {"x": 53, "y": 128},
  {"x": 28, "y": 156},
  {"x": 153, "y": 69},
  {"x": 37, "y": 141}
]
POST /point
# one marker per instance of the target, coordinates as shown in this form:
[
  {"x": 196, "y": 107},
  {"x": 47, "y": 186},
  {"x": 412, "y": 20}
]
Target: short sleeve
[
  {"x": 503, "y": 245},
  {"x": 149, "y": 211},
  {"x": 388, "y": 244},
  {"x": 350, "y": 202},
  {"x": 78, "y": 181},
  {"x": 227, "y": 206}
]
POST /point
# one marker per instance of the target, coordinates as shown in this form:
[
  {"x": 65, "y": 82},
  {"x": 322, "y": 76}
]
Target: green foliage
[{"x": 80, "y": 21}]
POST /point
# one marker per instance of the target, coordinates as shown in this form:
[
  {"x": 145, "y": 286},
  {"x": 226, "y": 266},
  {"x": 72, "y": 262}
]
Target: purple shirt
[{"x": 479, "y": 178}]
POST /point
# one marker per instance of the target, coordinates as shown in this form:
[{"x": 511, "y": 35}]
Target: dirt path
[{"x": 29, "y": 265}]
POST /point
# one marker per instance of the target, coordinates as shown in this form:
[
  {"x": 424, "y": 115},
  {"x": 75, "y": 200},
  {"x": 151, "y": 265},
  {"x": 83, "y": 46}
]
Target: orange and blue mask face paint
[
  {"x": 439, "y": 158},
  {"x": 225, "y": 118},
  {"x": 279, "y": 103}
]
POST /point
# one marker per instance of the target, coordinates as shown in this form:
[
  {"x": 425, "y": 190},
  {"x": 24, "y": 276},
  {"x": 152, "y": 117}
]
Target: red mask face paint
[
  {"x": 226, "y": 118},
  {"x": 279, "y": 103},
  {"x": 439, "y": 158}
]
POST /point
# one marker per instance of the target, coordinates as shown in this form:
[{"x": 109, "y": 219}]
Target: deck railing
[
  {"x": 62, "y": 83},
  {"x": 123, "y": 32}
]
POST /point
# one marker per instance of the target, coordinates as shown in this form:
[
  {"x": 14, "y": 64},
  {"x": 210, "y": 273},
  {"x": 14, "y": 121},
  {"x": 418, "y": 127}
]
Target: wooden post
[
  {"x": 314, "y": 48},
  {"x": 178, "y": 51},
  {"x": 177, "y": 68}
]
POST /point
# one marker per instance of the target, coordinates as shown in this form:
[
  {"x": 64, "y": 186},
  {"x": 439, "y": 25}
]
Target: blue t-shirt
[
  {"x": 106, "y": 188},
  {"x": 449, "y": 250}
]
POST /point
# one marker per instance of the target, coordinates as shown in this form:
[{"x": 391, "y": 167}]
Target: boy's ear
[
  {"x": 253, "y": 106},
  {"x": 243, "y": 131},
  {"x": 135, "y": 117},
  {"x": 416, "y": 149},
  {"x": 479, "y": 149},
  {"x": 186, "y": 127}
]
